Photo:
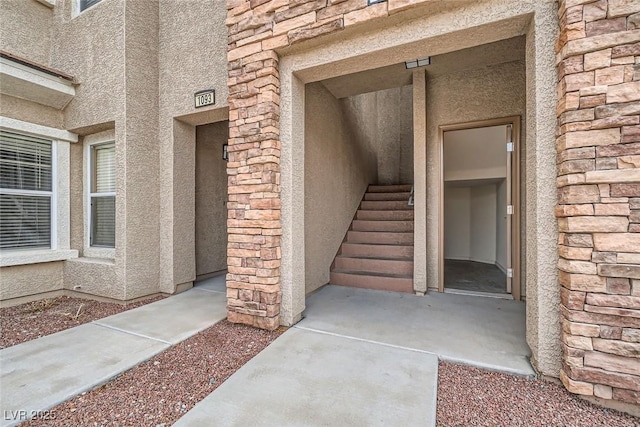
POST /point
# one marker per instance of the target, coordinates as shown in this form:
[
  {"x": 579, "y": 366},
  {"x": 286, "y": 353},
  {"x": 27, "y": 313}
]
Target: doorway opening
[
  {"x": 478, "y": 208},
  {"x": 358, "y": 177},
  {"x": 211, "y": 204}
]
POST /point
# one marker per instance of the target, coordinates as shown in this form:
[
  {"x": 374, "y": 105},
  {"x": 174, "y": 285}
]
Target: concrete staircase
[{"x": 378, "y": 250}]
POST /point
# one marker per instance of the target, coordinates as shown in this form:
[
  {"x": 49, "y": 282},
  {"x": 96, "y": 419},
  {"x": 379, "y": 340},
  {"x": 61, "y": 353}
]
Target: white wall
[
  {"x": 470, "y": 221},
  {"x": 457, "y": 223},
  {"x": 475, "y": 153},
  {"x": 483, "y": 224}
]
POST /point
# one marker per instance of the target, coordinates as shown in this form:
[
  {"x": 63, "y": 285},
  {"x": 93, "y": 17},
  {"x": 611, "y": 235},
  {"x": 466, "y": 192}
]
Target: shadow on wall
[
  {"x": 383, "y": 120},
  {"x": 349, "y": 144},
  {"x": 211, "y": 196},
  {"x": 338, "y": 168}
]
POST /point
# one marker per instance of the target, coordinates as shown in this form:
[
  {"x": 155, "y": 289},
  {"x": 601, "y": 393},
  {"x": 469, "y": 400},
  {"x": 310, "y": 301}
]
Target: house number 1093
[{"x": 205, "y": 97}]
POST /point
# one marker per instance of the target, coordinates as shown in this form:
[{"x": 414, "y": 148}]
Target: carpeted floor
[{"x": 474, "y": 276}]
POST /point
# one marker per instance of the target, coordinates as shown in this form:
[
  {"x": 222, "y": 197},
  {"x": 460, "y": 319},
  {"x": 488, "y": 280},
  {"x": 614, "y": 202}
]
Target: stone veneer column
[
  {"x": 253, "y": 224},
  {"x": 598, "y": 146},
  {"x": 256, "y": 28}
]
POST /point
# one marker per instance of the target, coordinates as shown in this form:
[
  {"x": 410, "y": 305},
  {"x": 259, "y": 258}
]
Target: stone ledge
[
  {"x": 631, "y": 271},
  {"x": 612, "y": 176}
]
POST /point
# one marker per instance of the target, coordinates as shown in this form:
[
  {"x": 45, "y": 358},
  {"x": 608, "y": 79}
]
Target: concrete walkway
[
  {"x": 367, "y": 358},
  {"x": 40, "y": 374},
  {"x": 306, "y": 378}
]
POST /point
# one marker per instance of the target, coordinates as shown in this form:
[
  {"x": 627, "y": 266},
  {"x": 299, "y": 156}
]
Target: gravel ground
[
  {"x": 33, "y": 320},
  {"x": 474, "y": 397},
  {"x": 161, "y": 390}
]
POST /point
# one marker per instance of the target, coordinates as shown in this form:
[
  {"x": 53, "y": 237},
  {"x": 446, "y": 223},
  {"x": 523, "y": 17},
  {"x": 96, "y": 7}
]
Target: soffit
[
  {"x": 22, "y": 79},
  {"x": 397, "y": 75}
]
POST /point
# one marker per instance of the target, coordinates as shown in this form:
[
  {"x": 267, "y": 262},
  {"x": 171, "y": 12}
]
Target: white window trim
[
  {"x": 60, "y": 224},
  {"x": 91, "y": 141},
  {"x": 49, "y": 3}
]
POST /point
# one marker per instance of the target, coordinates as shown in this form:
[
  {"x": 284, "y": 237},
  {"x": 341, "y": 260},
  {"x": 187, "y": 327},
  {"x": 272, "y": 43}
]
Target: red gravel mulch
[
  {"x": 162, "y": 389},
  {"x": 33, "y": 320},
  {"x": 473, "y": 397}
]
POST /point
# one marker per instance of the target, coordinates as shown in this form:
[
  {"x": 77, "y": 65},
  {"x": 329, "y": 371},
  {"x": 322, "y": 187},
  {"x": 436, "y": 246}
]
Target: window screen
[
  {"x": 25, "y": 191},
  {"x": 103, "y": 197}
]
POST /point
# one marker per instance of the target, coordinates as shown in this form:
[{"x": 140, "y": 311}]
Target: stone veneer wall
[
  {"x": 255, "y": 29},
  {"x": 598, "y": 182},
  {"x": 598, "y": 145}
]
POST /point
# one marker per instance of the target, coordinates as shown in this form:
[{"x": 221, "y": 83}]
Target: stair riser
[
  {"x": 376, "y": 251},
  {"x": 406, "y": 215},
  {"x": 393, "y": 284},
  {"x": 384, "y": 226},
  {"x": 391, "y": 267},
  {"x": 389, "y": 188},
  {"x": 384, "y": 205},
  {"x": 387, "y": 196},
  {"x": 380, "y": 238}
]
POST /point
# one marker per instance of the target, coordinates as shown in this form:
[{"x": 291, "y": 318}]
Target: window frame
[
  {"x": 91, "y": 141},
  {"x": 60, "y": 218},
  {"x": 52, "y": 194},
  {"x": 93, "y": 195}
]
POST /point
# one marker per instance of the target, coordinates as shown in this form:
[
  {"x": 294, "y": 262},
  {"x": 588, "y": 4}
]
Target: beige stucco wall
[
  {"x": 91, "y": 47},
  {"x": 383, "y": 119},
  {"x": 113, "y": 50},
  {"x": 191, "y": 61},
  {"x": 338, "y": 168},
  {"x": 27, "y": 111},
  {"x": 432, "y": 34},
  {"x": 76, "y": 196},
  {"x": 25, "y": 29},
  {"x": 137, "y": 221},
  {"x": 540, "y": 248},
  {"x": 94, "y": 276},
  {"x": 22, "y": 280},
  {"x": 458, "y": 97},
  {"x": 210, "y": 198}
]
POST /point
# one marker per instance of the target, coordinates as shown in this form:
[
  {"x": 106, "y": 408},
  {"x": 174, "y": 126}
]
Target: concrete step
[
  {"x": 384, "y": 205},
  {"x": 389, "y": 188},
  {"x": 377, "y": 251},
  {"x": 377, "y": 238},
  {"x": 387, "y": 196},
  {"x": 388, "y": 267},
  {"x": 405, "y": 215},
  {"x": 371, "y": 281},
  {"x": 383, "y": 226}
]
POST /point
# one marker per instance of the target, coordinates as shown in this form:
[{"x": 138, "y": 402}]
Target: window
[
  {"x": 26, "y": 191},
  {"x": 86, "y": 4},
  {"x": 103, "y": 195}
]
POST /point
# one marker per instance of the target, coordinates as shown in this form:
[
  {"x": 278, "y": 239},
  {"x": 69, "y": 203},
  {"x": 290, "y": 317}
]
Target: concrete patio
[
  {"x": 367, "y": 358},
  {"x": 483, "y": 332}
]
